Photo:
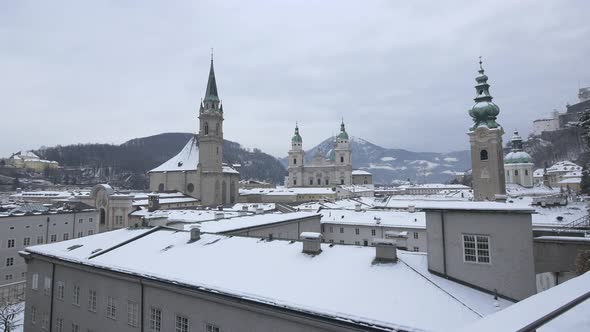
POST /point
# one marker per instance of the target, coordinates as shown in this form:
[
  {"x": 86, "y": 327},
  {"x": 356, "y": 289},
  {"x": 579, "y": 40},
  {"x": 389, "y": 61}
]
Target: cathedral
[
  {"x": 198, "y": 169},
  {"x": 332, "y": 169}
]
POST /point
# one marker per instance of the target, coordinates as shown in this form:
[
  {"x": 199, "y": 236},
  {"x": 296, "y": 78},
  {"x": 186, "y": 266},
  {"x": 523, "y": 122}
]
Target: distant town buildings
[
  {"x": 30, "y": 160},
  {"x": 563, "y": 120}
]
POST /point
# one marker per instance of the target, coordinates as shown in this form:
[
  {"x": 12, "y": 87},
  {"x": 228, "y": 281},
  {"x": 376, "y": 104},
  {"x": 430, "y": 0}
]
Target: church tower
[
  {"x": 296, "y": 157},
  {"x": 485, "y": 137},
  {"x": 343, "y": 157},
  {"x": 211, "y": 143}
]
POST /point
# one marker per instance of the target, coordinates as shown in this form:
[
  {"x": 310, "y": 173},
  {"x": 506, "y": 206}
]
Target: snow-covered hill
[{"x": 388, "y": 165}]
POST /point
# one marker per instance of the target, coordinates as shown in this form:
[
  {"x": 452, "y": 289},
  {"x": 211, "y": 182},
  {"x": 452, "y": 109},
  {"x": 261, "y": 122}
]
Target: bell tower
[
  {"x": 343, "y": 158},
  {"x": 485, "y": 137},
  {"x": 296, "y": 157},
  {"x": 211, "y": 143}
]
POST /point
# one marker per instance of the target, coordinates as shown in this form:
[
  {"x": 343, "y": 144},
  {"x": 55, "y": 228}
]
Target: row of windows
[
  {"x": 80, "y": 221},
  {"x": 526, "y": 172},
  {"x": 366, "y": 243},
  {"x": 416, "y": 235},
  {"x": 182, "y": 324},
  {"x": 11, "y": 243}
]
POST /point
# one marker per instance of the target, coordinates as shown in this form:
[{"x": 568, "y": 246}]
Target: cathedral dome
[{"x": 517, "y": 157}]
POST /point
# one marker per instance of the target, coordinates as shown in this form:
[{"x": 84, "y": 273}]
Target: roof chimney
[
  {"x": 153, "y": 202},
  {"x": 195, "y": 233},
  {"x": 411, "y": 208},
  {"x": 311, "y": 242},
  {"x": 357, "y": 207},
  {"x": 385, "y": 251}
]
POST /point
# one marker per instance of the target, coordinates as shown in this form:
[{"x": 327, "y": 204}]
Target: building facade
[
  {"x": 198, "y": 169},
  {"x": 485, "y": 137},
  {"x": 518, "y": 164},
  {"x": 324, "y": 171}
]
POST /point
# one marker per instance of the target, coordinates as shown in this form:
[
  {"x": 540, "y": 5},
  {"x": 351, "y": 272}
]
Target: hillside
[
  {"x": 388, "y": 165},
  {"x": 126, "y": 165}
]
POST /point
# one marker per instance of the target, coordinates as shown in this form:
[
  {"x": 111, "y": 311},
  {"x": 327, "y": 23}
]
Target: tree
[
  {"x": 10, "y": 315},
  {"x": 583, "y": 262},
  {"x": 585, "y": 184}
]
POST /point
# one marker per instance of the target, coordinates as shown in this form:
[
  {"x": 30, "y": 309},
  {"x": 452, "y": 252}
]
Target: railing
[
  {"x": 579, "y": 224},
  {"x": 13, "y": 292}
]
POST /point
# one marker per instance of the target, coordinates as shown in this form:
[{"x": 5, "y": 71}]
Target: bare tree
[
  {"x": 10, "y": 312},
  {"x": 583, "y": 262}
]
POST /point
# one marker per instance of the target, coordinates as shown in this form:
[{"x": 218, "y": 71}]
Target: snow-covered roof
[
  {"x": 434, "y": 186},
  {"x": 229, "y": 170},
  {"x": 172, "y": 200},
  {"x": 288, "y": 191},
  {"x": 518, "y": 316},
  {"x": 517, "y": 157},
  {"x": 256, "y": 220},
  {"x": 360, "y": 172},
  {"x": 538, "y": 173},
  {"x": 183, "y": 216},
  {"x": 563, "y": 167},
  {"x": 186, "y": 160},
  {"x": 253, "y": 206},
  {"x": 457, "y": 205},
  {"x": 571, "y": 181},
  {"x": 375, "y": 218},
  {"x": 393, "y": 296}
]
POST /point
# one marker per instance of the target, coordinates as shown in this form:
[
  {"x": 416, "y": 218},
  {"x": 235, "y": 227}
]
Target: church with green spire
[
  {"x": 485, "y": 138},
  {"x": 198, "y": 169},
  {"x": 325, "y": 170}
]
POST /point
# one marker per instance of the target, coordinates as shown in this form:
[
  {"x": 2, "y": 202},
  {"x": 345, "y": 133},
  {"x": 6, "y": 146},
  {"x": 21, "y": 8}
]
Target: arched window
[
  {"x": 206, "y": 128},
  {"x": 294, "y": 161},
  {"x": 341, "y": 181},
  {"x": 483, "y": 155},
  {"x": 327, "y": 181},
  {"x": 526, "y": 172},
  {"x": 217, "y": 129},
  {"x": 515, "y": 172},
  {"x": 190, "y": 187},
  {"x": 341, "y": 159},
  {"x": 319, "y": 181},
  {"x": 310, "y": 181}
]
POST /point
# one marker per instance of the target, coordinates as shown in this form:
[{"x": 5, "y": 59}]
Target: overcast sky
[{"x": 400, "y": 73}]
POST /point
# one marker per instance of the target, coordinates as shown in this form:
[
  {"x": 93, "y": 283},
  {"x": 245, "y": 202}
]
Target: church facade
[
  {"x": 198, "y": 169},
  {"x": 332, "y": 169}
]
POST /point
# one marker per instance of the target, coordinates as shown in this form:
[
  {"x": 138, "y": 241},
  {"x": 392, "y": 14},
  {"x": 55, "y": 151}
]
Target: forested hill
[{"x": 130, "y": 161}]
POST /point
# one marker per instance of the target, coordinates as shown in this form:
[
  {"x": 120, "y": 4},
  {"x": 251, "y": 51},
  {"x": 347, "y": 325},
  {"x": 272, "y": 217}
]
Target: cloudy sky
[{"x": 400, "y": 73}]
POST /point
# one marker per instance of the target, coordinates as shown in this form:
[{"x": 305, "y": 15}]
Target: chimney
[
  {"x": 385, "y": 251},
  {"x": 311, "y": 242},
  {"x": 219, "y": 215},
  {"x": 411, "y": 208},
  {"x": 195, "y": 233},
  {"x": 357, "y": 207},
  {"x": 153, "y": 202},
  {"x": 219, "y": 207}
]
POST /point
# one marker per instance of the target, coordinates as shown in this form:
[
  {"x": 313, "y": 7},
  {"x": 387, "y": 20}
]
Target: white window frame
[
  {"x": 59, "y": 324},
  {"x": 27, "y": 241},
  {"x": 60, "y": 290},
  {"x": 212, "y": 328},
  {"x": 181, "y": 323},
  {"x": 35, "y": 281},
  {"x": 10, "y": 243},
  {"x": 92, "y": 305},
  {"x": 132, "y": 313},
  {"x": 76, "y": 295},
  {"x": 47, "y": 286},
  {"x": 155, "y": 319},
  {"x": 111, "y": 308},
  {"x": 477, "y": 239}
]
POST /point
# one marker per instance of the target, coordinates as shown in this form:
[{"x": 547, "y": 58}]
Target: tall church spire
[
  {"x": 211, "y": 93},
  {"x": 484, "y": 112}
]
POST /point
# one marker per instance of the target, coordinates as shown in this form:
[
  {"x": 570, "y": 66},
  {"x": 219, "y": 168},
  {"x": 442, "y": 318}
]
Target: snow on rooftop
[
  {"x": 183, "y": 216},
  {"x": 288, "y": 191},
  {"x": 456, "y": 205},
  {"x": 186, "y": 160},
  {"x": 361, "y": 172},
  {"x": 253, "y": 206},
  {"x": 233, "y": 224},
  {"x": 375, "y": 218},
  {"x": 229, "y": 170},
  {"x": 172, "y": 200},
  {"x": 341, "y": 281},
  {"x": 519, "y": 315}
]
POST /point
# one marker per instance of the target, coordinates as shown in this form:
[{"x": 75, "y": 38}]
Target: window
[
  {"x": 155, "y": 319},
  {"x": 416, "y": 235},
  {"x": 327, "y": 181},
  {"x": 132, "y": 313},
  {"x": 342, "y": 159},
  {"x": 416, "y": 249},
  {"x": 66, "y": 236},
  {"x": 515, "y": 172},
  {"x": 356, "y": 231},
  {"x": 331, "y": 241},
  {"x": 211, "y": 328},
  {"x": 9, "y": 261},
  {"x": 35, "y": 282},
  {"x": 90, "y": 220},
  {"x": 319, "y": 181},
  {"x": 341, "y": 229},
  {"x": 8, "y": 277},
  {"x": 27, "y": 241},
  {"x": 10, "y": 243},
  {"x": 111, "y": 308},
  {"x": 331, "y": 229},
  {"x": 92, "y": 300},
  {"x": 310, "y": 181},
  {"x": 60, "y": 290},
  {"x": 33, "y": 314},
  {"x": 206, "y": 128},
  {"x": 357, "y": 243},
  {"x": 526, "y": 172},
  {"x": 76, "y": 295},
  {"x": 294, "y": 182},
  {"x": 40, "y": 239},
  {"x": 476, "y": 248},
  {"x": 483, "y": 155},
  {"x": 341, "y": 181},
  {"x": 80, "y": 234},
  {"x": 47, "y": 286},
  {"x": 181, "y": 324},
  {"x": 323, "y": 229},
  {"x": 45, "y": 321},
  {"x": 90, "y": 232},
  {"x": 373, "y": 232},
  {"x": 59, "y": 324},
  {"x": 75, "y": 327},
  {"x": 294, "y": 161},
  {"x": 341, "y": 241},
  {"x": 53, "y": 238}
]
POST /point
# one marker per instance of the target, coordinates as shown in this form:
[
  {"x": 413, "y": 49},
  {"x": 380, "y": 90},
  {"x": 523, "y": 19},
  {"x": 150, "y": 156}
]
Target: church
[
  {"x": 198, "y": 169},
  {"x": 333, "y": 169}
]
